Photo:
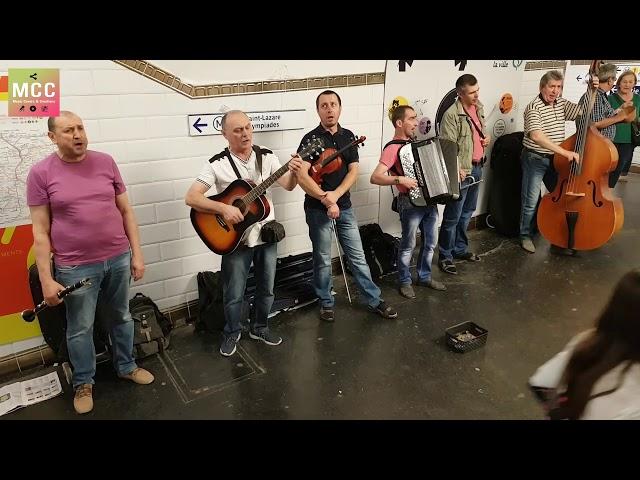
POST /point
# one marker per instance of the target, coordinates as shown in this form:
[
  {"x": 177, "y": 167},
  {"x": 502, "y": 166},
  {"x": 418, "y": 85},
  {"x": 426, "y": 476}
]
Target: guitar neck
[{"x": 255, "y": 192}]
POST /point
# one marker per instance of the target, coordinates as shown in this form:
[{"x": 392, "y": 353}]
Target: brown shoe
[
  {"x": 83, "y": 400},
  {"x": 434, "y": 284},
  {"x": 139, "y": 376},
  {"x": 407, "y": 291}
]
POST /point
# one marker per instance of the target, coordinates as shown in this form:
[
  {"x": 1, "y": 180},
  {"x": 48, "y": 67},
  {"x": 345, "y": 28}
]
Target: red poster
[{"x": 15, "y": 243}]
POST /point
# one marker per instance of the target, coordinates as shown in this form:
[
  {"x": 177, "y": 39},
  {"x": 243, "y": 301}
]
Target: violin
[{"x": 330, "y": 161}]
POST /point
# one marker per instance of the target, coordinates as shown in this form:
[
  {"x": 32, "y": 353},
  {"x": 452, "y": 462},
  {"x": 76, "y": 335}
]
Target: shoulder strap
[
  {"x": 392, "y": 168},
  {"x": 220, "y": 155},
  {"x": 396, "y": 142},
  {"x": 233, "y": 165},
  {"x": 259, "y": 151},
  {"x": 473, "y": 121}
]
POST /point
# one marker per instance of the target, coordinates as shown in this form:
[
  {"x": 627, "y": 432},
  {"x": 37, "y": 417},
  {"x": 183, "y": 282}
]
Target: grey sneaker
[
  {"x": 528, "y": 245},
  {"x": 407, "y": 291},
  {"x": 266, "y": 336},
  {"x": 434, "y": 284},
  {"x": 228, "y": 346}
]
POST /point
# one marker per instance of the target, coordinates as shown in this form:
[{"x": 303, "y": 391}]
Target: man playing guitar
[{"x": 240, "y": 161}]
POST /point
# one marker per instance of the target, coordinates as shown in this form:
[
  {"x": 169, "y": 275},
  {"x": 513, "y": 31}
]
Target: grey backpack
[{"x": 148, "y": 335}]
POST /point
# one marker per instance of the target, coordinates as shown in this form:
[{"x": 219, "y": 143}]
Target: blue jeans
[
  {"x": 625, "y": 157},
  {"x": 453, "y": 239},
  {"x": 536, "y": 168},
  {"x": 235, "y": 269},
  {"x": 412, "y": 218},
  {"x": 110, "y": 280},
  {"x": 321, "y": 234}
]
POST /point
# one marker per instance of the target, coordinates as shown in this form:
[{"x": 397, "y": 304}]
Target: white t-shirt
[
  {"x": 219, "y": 174},
  {"x": 622, "y": 404}
]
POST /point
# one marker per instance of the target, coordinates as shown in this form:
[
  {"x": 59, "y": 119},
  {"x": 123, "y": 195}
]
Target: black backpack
[
  {"x": 151, "y": 327},
  {"x": 211, "y": 305},
  {"x": 380, "y": 250}
]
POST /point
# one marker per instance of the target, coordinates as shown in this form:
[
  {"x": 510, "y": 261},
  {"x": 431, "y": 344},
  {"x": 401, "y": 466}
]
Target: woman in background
[
  {"x": 597, "y": 375},
  {"x": 626, "y": 81}
]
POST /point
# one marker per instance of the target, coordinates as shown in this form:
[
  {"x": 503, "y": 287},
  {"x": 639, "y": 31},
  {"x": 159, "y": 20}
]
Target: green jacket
[
  {"x": 456, "y": 126},
  {"x": 623, "y": 129}
]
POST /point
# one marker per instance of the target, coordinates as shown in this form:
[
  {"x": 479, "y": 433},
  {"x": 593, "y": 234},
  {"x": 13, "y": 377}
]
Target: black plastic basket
[{"x": 462, "y": 345}]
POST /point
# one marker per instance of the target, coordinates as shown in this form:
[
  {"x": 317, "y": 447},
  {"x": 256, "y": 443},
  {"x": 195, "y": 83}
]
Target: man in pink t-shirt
[
  {"x": 81, "y": 214},
  {"x": 412, "y": 218}
]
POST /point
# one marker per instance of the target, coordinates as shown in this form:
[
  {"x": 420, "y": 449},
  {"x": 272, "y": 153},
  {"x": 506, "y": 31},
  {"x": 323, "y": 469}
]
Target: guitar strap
[
  {"x": 258, "y": 152},
  {"x": 393, "y": 167}
]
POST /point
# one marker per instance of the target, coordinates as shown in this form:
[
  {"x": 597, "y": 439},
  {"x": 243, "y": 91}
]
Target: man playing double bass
[{"x": 544, "y": 131}]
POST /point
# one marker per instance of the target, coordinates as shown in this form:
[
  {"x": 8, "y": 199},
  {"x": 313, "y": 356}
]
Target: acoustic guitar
[{"x": 223, "y": 238}]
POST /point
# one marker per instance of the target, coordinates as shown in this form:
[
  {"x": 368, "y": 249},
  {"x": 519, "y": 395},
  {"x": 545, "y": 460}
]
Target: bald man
[
  {"x": 81, "y": 214},
  {"x": 239, "y": 160}
]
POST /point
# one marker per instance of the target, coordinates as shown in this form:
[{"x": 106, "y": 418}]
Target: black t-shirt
[{"x": 331, "y": 181}]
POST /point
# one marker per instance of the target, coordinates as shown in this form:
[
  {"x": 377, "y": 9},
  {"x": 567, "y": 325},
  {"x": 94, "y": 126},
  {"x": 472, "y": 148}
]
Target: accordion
[{"x": 433, "y": 163}]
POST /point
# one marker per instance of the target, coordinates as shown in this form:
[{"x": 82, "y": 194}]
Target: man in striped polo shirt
[{"x": 544, "y": 120}]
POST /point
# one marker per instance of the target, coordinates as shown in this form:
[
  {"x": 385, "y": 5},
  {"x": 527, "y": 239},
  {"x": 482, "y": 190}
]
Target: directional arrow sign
[
  {"x": 211, "y": 123},
  {"x": 197, "y": 125}
]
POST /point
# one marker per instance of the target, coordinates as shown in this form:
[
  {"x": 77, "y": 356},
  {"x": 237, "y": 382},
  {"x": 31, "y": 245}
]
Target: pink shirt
[
  {"x": 478, "y": 150},
  {"x": 389, "y": 157},
  {"x": 86, "y": 225}
]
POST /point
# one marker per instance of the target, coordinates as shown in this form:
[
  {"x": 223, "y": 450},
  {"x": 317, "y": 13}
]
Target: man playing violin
[
  {"x": 405, "y": 121},
  {"x": 330, "y": 201}
]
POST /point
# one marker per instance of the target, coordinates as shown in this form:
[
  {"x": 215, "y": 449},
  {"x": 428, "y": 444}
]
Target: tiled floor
[{"x": 364, "y": 367}]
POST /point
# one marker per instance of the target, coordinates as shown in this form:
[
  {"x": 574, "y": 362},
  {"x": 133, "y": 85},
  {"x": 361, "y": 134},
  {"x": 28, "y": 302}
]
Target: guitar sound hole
[{"x": 239, "y": 204}]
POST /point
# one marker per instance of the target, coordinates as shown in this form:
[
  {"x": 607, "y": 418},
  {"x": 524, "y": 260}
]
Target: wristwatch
[{"x": 397, "y": 181}]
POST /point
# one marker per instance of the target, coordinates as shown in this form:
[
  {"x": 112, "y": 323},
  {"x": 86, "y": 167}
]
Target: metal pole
[{"x": 344, "y": 274}]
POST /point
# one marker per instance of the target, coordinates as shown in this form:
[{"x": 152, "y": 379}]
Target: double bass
[{"x": 582, "y": 213}]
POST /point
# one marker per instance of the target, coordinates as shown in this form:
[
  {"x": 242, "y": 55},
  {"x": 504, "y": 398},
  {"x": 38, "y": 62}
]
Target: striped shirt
[
  {"x": 601, "y": 109},
  {"x": 549, "y": 118}
]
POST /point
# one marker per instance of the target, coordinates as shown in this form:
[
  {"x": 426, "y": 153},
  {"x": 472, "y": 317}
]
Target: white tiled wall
[{"x": 143, "y": 125}]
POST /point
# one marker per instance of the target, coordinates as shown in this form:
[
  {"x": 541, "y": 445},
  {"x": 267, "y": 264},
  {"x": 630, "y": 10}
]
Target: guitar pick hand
[{"x": 232, "y": 215}]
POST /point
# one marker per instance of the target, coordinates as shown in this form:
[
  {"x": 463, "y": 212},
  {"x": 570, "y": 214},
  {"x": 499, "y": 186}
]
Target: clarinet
[{"x": 30, "y": 315}]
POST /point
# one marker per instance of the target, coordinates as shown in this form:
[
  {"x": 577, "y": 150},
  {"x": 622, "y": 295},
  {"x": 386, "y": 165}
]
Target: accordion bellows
[{"x": 433, "y": 163}]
